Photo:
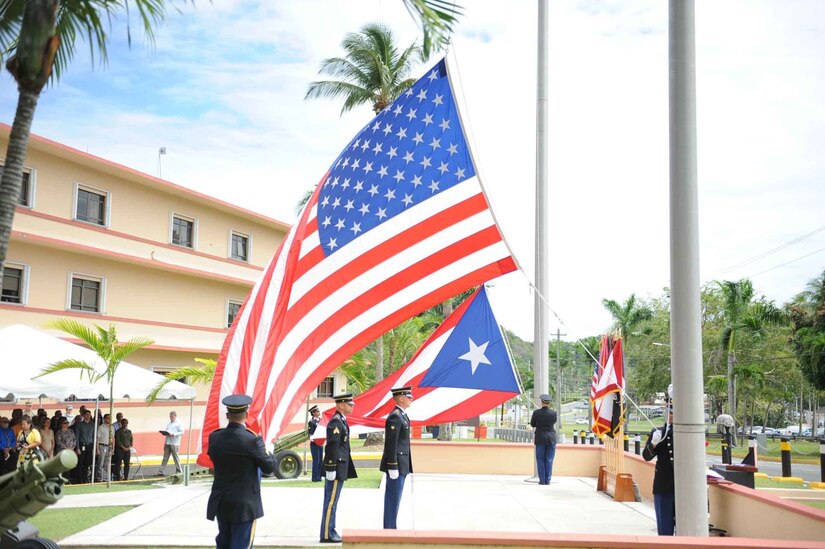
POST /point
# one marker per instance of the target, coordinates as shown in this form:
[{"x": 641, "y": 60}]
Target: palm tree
[
  {"x": 373, "y": 70},
  {"x": 627, "y": 316},
  {"x": 105, "y": 344},
  {"x": 807, "y": 313},
  {"x": 740, "y": 313},
  {"x": 42, "y": 35}
]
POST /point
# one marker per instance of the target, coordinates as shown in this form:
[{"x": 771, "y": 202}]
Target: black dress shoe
[{"x": 333, "y": 539}]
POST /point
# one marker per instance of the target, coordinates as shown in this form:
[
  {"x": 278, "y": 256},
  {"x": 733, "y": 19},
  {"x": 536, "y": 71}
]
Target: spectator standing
[
  {"x": 116, "y": 424},
  {"x": 16, "y": 415},
  {"x": 173, "y": 433},
  {"x": 123, "y": 449},
  {"x": 85, "y": 431},
  {"x": 69, "y": 414},
  {"x": 65, "y": 439},
  {"x": 27, "y": 441},
  {"x": 8, "y": 446},
  {"x": 46, "y": 436},
  {"x": 55, "y": 421},
  {"x": 104, "y": 438}
]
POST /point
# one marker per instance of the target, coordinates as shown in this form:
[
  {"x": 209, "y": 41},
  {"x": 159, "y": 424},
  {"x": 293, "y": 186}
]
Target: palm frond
[
  {"x": 80, "y": 331},
  {"x": 125, "y": 349},
  {"x": 72, "y": 364},
  {"x": 436, "y": 18}
]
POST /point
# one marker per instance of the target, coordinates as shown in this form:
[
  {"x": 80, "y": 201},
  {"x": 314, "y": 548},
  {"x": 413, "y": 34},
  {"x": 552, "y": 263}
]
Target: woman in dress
[
  {"x": 28, "y": 440},
  {"x": 46, "y": 436}
]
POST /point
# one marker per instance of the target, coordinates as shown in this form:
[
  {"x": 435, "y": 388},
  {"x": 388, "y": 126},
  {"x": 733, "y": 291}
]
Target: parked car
[{"x": 581, "y": 421}]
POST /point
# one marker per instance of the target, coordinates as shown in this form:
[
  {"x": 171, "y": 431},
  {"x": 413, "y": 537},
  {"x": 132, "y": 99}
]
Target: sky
[{"x": 223, "y": 91}]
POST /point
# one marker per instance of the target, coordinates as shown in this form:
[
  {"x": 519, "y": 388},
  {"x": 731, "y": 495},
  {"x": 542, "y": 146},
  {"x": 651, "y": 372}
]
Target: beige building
[{"x": 101, "y": 243}]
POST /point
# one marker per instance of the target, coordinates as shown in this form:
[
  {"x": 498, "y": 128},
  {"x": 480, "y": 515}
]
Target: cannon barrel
[
  {"x": 287, "y": 442},
  {"x": 32, "y": 487}
]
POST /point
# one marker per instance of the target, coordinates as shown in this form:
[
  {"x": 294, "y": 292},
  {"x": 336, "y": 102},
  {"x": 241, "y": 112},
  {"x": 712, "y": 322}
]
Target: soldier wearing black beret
[
  {"x": 337, "y": 464},
  {"x": 238, "y": 456},
  {"x": 317, "y": 450},
  {"x": 396, "y": 460}
]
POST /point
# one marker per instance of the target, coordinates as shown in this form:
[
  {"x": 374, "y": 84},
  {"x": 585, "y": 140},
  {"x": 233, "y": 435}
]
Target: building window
[
  {"x": 326, "y": 388},
  {"x": 87, "y": 294},
  {"x": 12, "y": 285},
  {"x": 232, "y": 310},
  {"x": 26, "y": 188},
  {"x": 91, "y": 206},
  {"x": 183, "y": 231},
  {"x": 239, "y": 247}
]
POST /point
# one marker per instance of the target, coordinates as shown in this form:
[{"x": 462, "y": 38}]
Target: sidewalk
[{"x": 175, "y": 516}]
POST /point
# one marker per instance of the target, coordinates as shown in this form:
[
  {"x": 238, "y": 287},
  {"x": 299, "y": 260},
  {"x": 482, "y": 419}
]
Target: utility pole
[{"x": 558, "y": 378}]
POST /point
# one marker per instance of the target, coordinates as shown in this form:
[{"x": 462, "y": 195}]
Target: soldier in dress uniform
[
  {"x": 396, "y": 461},
  {"x": 660, "y": 445},
  {"x": 543, "y": 421},
  {"x": 338, "y": 465},
  {"x": 316, "y": 450},
  {"x": 238, "y": 456}
]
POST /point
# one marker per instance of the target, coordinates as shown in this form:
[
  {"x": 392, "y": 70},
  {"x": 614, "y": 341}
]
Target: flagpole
[
  {"x": 542, "y": 309},
  {"x": 685, "y": 328}
]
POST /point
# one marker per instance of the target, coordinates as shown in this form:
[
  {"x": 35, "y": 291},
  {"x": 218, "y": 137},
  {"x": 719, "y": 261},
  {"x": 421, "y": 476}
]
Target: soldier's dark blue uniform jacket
[
  {"x": 544, "y": 420},
  {"x": 237, "y": 454},
  {"x": 397, "y": 443},
  {"x": 337, "y": 456},
  {"x": 663, "y": 452}
]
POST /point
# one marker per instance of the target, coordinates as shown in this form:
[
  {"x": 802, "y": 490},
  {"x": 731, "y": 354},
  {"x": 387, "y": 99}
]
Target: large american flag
[{"x": 398, "y": 224}]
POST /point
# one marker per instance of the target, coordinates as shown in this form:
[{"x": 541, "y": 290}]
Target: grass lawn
[
  {"x": 768, "y": 483},
  {"x": 812, "y": 503},
  {"x": 367, "y": 478},
  {"x": 57, "y": 524},
  {"x": 98, "y": 487}
]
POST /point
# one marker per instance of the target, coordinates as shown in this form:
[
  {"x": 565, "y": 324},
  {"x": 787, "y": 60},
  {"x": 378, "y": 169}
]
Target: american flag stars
[{"x": 410, "y": 152}]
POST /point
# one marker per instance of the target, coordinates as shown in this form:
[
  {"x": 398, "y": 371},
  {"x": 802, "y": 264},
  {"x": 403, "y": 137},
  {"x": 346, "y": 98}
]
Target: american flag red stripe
[{"x": 317, "y": 303}]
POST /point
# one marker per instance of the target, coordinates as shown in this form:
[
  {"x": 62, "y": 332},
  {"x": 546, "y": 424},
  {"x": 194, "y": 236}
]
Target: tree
[
  {"x": 204, "y": 373},
  {"x": 807, "y": 312},
  {"x": 105, "y": 344},
  {"x": 373, "y": 70},
  {"x": 42, "y": 35},
  {"x": 627, "y": 316},
  {"x": 741, "y": 313}
]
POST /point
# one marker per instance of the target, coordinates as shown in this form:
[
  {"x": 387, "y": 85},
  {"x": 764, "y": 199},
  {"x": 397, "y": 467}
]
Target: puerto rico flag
[
  {"x": 398, "y": 224},
  {"x": 463, "y": 370}
]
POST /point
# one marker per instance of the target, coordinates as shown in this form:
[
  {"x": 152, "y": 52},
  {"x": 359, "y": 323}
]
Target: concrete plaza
[{"x": 175, "y": 515}]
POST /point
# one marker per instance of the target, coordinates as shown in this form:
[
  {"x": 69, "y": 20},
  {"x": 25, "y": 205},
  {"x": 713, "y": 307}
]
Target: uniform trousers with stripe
[
  {"x": 392, "y": 500},
  {"x": 235, "y": 535},
  {"x": 332, "y": 492}
]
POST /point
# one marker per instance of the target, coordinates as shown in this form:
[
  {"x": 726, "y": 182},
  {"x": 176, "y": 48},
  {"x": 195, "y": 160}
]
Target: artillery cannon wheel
[
  {"x": 289, "y": 465},
  {"x": 37, "y": 543}
]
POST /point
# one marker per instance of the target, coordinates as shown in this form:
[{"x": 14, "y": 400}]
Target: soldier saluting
[
  {"x": 337, "y": 465},
  {"x": 238, "y": 456},
  {"x": 396, "y": 461}
]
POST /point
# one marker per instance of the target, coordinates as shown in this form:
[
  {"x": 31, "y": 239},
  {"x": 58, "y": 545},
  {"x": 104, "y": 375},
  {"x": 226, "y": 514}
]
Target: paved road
[{"x": 802, "y": 470}]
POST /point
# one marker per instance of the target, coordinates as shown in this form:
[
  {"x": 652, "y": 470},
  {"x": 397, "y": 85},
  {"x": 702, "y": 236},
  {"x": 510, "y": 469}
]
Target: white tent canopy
[{"x": 25, "y": 352}]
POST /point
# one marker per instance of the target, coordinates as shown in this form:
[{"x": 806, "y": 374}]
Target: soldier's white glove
[
  {"x": 393, "y": 473},
  {"x": 330, "y": 475},
  {"x": 656, "y": 438}
]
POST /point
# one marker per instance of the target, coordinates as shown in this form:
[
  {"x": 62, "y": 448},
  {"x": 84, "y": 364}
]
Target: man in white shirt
[
  {"x": 69, "y": 414},
  {"x": 103, "y": 447},
  {"x": 173, "y": 432}
]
